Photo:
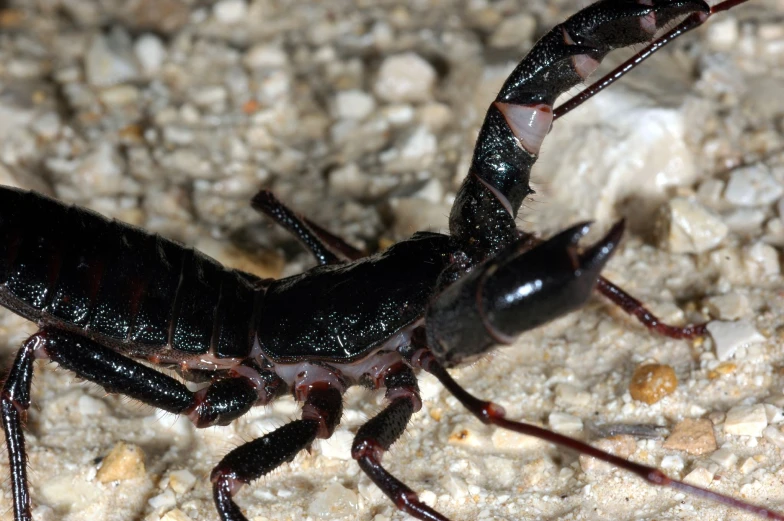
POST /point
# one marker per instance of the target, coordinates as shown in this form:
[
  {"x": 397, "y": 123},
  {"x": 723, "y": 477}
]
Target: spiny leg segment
[{"x": 224, "y": 400}]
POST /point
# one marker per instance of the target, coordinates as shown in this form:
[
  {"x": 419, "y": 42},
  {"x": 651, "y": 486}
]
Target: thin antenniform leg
[
  {"x": 266, "y": 202},
  {"x": 490, "y": 413},
  {"x": 691, "y": 22},
  {"x": 376, "y": 436},
  {"x": 635, "y": 308},
  {"x": 248, "y": 462}
]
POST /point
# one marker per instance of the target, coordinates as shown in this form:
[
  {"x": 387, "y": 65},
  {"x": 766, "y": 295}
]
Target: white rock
[
  {"x": 348, "y": 180},
  {"x": 631, "y": 169},
  {"x": 514, "y": 31},
  {"x": 399, "y": 114},
  {"x": 101, "y": 172},
  {"x": 511, "y": 441},
  {"x": 745, "y": 220},
  {"x": 265, "y": 56},
  {"x": 47, "y": 125},
  {"x": 568, "y": 394},
  {"x": 699, "y": 477},
  {"x": 150, "y": 52},
  {"x": 211, "y": 96},
  {"x": 723, "y": 34},
  {"x": 336, "y": 501},
  {"x": 108, "y": 60},
  {"x": 752, "y": 186},
  {"x": 415, "y": 153},
  {"x": 432, "y": 191},
  {"x": 354, "y": 104},
  {"x": 338, "y": 446},
  {"x": 774, "y": 435},
  {"x": 774, "y": 413},
  {"x": 163, "y": 501},
  {"x": 405, "y": 78},
  {"x": 672, "y": 462},
  {"x": 175, "y": 515},
  {"x": 563, "y": 422},
  {"x": 428, "y": 497},
  {"x": 731, "y": 306},
  {"x": 729, "y": 336},
  {"x": 230, "y": 11},
  {"x": 749, "y": 464},
  {"x": 181, "y": 481},
  {"x": 119, "y": 95},
  {"x": 760, "y": 260},
  {"x": 746, "y": 420},
  {"x": 724, "y": 457},
  {"x": 90, "y": 406},
  {"x": 685, "y": 226},
  {"x": 435, "y": 116}
]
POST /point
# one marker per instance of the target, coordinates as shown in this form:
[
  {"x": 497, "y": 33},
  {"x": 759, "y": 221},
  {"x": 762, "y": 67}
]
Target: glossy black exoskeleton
[{"x": 107, "y": 296}]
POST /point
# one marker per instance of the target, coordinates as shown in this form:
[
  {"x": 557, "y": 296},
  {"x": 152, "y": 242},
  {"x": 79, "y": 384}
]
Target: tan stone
[
  {"x": 652, "y": 382},
  {"x": 124, "y": 461},
  {"x": 692, "y": 436}
]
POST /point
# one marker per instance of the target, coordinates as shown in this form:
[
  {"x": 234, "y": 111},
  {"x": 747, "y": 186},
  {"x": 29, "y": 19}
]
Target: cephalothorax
[{"x": 106, "y": 295}]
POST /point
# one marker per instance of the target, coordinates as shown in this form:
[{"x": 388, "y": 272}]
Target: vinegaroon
[{"x": 106, "y": 295}]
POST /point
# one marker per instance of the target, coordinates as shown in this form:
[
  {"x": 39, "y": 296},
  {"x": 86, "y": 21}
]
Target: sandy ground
[{"x": 170, "y": 115}]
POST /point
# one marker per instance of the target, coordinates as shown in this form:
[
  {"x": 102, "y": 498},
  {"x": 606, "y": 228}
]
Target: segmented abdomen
[{"x": 136, "y": 291}]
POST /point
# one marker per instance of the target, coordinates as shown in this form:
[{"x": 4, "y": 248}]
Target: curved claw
[
  {"x": 594, "y": 258},
  {"x": 516, "y": 291}
]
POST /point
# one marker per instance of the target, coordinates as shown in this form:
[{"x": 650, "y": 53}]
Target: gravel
[{"x": 170, "y": 114}]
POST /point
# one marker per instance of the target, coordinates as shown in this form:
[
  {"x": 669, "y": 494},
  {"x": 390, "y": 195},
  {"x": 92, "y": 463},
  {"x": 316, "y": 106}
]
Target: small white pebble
[
  {"x": 563, "y": 422},
  {"x": 336, "y": 501},
  {"x": 672, "y": 462},
  {"x": 508, "y": 440},
  {"x": 164, "y": 500},
  {"x": 774, "y": 435},
  {"x": 723, "y": 35},
  {"x": 405, "y": 77},
  {"x": 746, "y": 420},
  {"x": 428, "y": 497},
  {"x": 729, "y": 336},
  {"x": 774, "y": 413},
  {"x": 699, "y": 477},
  {"x": 230, "y": 11},
  {"x": 752, "y": 186},
  {"x": 514, "y": 31},
  {"x": 265, "y": 56},
  {"x": 90, "y": 406},
  {"x": 724, "y": 457},
  {"x": 175, "y": 515},
  {"x": 338, "y": 446},
  {"x": 150, "y": 52},
  {"x": 685, "y": 226},
  {"x": 354, "y": 104},
  {"x": 761, "y": 259},
  {"x": 748, "y": 465},
  {"x": 731, "y": 306},
  {"x": 181, "y": 481}
]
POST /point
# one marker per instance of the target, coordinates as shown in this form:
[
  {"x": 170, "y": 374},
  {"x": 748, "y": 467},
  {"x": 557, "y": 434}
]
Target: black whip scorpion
[{"x": 106, "y": 295}]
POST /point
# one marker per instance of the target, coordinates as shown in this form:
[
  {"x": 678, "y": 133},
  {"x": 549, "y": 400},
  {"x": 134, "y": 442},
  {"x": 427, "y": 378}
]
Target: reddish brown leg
[
  {"x": 490, "y": 413},
  {"x": 376, "y": 436},
  {"x": 325, "y": 246},
  {"x": 634, "y": 307}
]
